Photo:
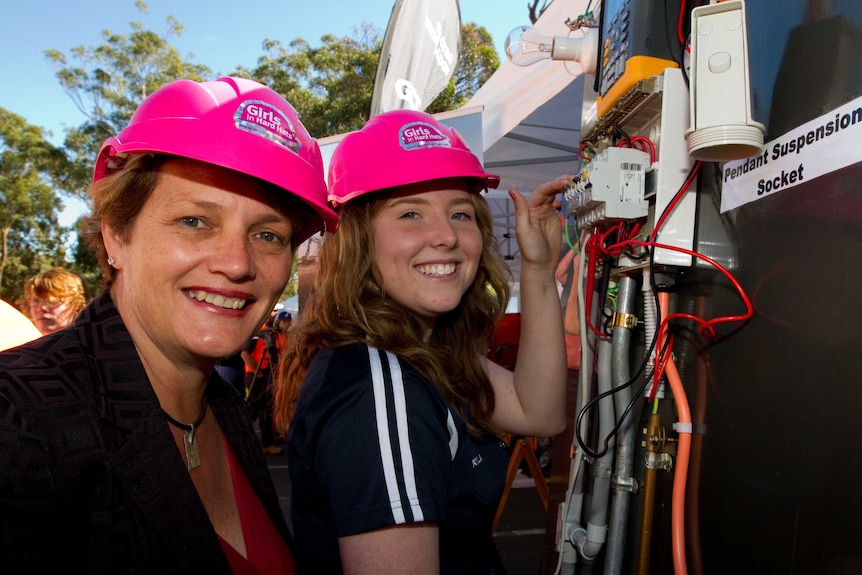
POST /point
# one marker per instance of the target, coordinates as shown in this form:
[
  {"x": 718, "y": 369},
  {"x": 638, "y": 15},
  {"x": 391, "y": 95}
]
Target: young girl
[{"x": 394, "y": 452}]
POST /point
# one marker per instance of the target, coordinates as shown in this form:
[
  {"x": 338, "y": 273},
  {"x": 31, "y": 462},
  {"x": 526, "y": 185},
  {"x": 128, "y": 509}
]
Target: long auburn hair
[{"x": 347, "y": 306}]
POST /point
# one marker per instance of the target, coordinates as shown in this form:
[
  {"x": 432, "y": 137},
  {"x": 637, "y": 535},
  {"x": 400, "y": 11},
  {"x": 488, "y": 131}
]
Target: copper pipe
[
  {"x": 653, "y": 444},
  {"x": 646, "y": 521}
]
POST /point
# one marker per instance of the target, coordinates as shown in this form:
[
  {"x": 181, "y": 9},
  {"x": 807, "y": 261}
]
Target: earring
[{"x": 110, "y": 261}]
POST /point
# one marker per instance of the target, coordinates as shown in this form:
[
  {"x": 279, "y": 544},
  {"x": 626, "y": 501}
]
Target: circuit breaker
[{"x": 610, "y": 187}]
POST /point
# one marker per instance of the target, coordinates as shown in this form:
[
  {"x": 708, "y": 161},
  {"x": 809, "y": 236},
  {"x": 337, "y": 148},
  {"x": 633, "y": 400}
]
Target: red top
[{"x": 267, "y": 552}]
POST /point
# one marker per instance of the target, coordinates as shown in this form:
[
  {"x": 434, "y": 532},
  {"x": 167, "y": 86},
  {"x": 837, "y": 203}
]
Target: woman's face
[
  {"x": 427, "y": 247},
  {"x": 206, "y": 260},
  {"x": 50, "y": 316}
]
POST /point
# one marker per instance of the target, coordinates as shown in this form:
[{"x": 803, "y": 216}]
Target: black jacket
[{"x": 91, "y": 480}]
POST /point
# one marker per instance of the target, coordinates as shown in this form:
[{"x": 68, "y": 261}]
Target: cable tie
[
  {"x": 681, "y": 427},
  {"x": 700, "y": 428}
]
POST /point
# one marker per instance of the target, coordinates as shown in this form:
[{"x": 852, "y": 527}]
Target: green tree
[
  {"x": 108, "y": 82},
  {"x": 331, "y": 86},
  {"x": 31, "y": 238}
]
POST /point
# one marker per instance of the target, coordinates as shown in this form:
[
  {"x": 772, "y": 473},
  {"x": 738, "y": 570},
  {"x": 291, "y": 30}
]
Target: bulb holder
[
  {"x": 582, "y": 50},
  {"x": 524, "y": 46}
]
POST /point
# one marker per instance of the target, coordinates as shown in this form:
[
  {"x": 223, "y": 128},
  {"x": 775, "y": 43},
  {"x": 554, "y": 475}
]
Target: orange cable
[{"x": 680, "y": 475}]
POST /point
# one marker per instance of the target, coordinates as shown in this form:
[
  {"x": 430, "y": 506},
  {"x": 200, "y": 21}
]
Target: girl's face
[{"x": 427, "y": 247}]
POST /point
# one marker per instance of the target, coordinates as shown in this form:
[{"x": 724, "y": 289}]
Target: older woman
[
  {"x": 121, "y": 451},
  {"x": 55, "y": 297},
  {"x": 393, "y": 448}
]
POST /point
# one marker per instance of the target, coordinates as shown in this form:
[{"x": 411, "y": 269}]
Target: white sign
[{"x": 816, "y": 148}]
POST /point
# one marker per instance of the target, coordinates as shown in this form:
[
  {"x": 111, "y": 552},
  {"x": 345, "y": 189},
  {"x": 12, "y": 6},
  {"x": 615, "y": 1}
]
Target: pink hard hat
[
  {"x": 397, "y": 148},
  {"x": 234, "y": 123}
]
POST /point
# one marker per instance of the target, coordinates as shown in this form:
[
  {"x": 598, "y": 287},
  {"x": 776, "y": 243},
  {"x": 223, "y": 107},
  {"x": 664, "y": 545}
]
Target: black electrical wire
[
  {"x": 626, "y": 233},
  {"x": 632, "y": 255},
  {"x": 623, "y": 134}
]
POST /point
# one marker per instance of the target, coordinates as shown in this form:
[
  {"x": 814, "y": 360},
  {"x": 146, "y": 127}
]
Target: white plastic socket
[{"x": 722, "y": 128}]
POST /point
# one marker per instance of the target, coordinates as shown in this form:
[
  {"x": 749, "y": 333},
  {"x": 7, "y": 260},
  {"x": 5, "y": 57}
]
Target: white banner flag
[{"x": 419, "y": 55}]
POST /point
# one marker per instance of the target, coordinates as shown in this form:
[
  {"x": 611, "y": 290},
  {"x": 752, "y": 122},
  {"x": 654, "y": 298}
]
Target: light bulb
[{"x": 525, "y": 46}]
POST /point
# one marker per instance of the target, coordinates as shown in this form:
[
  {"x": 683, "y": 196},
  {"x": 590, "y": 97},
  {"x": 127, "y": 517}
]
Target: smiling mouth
[
  {"x": 437, "y": 269},
  {"x": 216, "y": 300}
]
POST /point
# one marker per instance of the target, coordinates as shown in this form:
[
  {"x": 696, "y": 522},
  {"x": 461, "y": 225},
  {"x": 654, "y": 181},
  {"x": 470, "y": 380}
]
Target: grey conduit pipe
[
  {"x": 575, "y": 497},
  {"x": 591, "y": 539},
  {"x": 623, "y": 481}
]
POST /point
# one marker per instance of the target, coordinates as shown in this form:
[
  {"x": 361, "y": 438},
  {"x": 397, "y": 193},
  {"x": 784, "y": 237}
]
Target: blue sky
[{"x": 219, "y": 33}]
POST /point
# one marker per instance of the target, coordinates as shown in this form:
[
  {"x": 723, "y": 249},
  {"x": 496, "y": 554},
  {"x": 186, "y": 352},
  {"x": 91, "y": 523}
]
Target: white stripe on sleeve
[
  {"x": 453, "y": 434},
  {"x": 404, "y": 437},
  {"x": 382, "y": 418}
]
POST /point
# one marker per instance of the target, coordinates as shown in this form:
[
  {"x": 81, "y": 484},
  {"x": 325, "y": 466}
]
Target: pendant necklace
[{"x": 192, "y": 456}]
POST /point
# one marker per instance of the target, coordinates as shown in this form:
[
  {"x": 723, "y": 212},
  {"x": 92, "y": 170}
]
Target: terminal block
[{"x": 610, "y": 188}]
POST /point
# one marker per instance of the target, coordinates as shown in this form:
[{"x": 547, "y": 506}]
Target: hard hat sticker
[
  {"x": 265, "y": 120},
  {"x": 420, "y": 135}
]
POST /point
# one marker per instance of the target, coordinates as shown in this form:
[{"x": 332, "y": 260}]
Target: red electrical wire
[
  {"x": 675, "y": 200},
  {"x": 707, "y": 328},
  {"x": 658, "y": 370},
  {"x": 617, "y": 227},
  {"x": 649, "y": 145},
  {"x": 641, "y": 143},
  {"x": 592, "y": 249}
]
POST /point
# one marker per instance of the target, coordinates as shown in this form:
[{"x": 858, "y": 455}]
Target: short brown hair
[{"x": 58, "y": 284}]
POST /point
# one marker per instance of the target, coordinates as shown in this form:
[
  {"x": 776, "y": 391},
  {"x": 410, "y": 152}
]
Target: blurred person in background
[
  {"x": 55, "y": 298},
  {"x": 283, "y": 319},
  {"x": 121, "y": 449},
  {"x": 261, "y": 356}
]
